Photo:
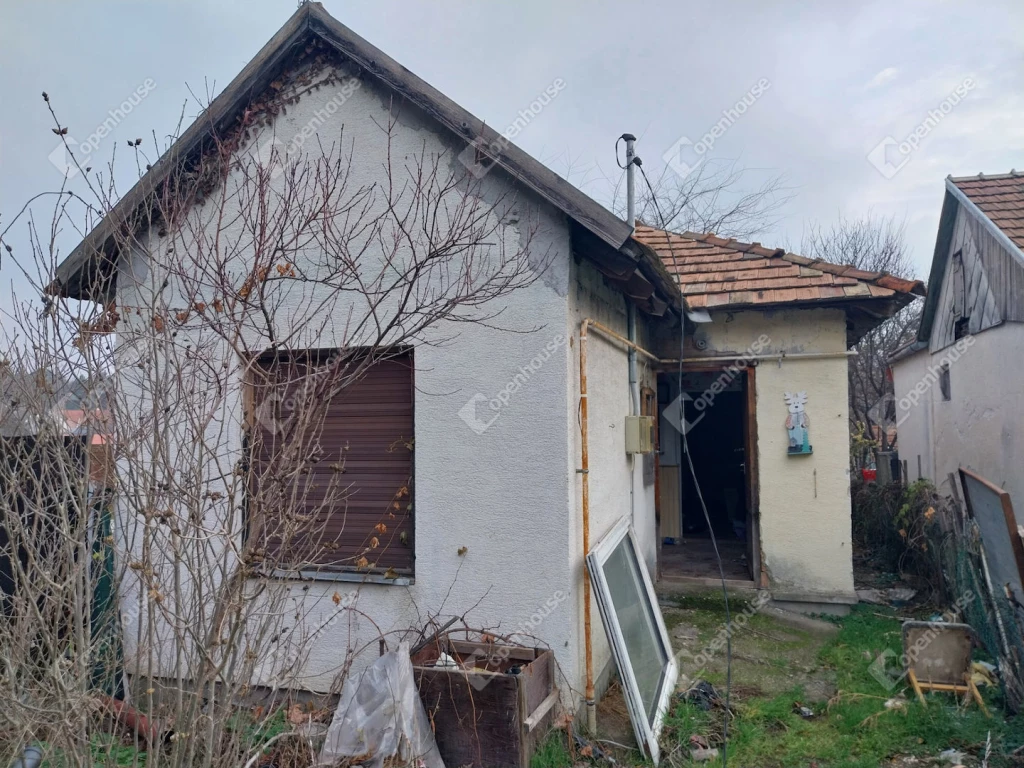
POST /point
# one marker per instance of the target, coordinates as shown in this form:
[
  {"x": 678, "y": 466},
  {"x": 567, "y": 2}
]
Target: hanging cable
[{"x": 696, "y": 484}]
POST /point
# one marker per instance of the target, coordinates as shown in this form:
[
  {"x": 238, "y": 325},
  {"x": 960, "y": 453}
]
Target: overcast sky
[{"x": 842, "y": 78}]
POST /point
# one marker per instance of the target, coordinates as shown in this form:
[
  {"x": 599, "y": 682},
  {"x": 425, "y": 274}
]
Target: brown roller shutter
[{"x": 345, "y": 500}]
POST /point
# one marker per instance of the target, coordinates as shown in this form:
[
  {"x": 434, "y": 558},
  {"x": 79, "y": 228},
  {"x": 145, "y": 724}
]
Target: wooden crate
[{"x": 491, "y": 710}]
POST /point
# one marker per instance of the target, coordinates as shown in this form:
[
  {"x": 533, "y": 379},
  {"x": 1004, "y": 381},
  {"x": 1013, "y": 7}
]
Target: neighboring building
[
  {"x": 958, "y": 400},
  {"x": 497, "y": 523}
]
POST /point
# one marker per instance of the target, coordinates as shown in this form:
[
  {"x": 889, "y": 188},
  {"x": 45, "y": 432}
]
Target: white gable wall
[{"x": 503, "y": 495}]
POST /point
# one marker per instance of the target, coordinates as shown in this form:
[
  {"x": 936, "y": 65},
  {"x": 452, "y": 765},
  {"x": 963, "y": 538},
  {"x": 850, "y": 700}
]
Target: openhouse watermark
[
  {"x": 890, "y": 155},
  {"x": 479, "y": 155},
  {"x": 885, "y": 412},
  {"x": 83, "y": 150},
  {"x": 278, "y": 155},
  {"x": 481, "y": 411},
  {"x": 889, "y": 675},
  {"x": 722, "y": 637},
  {"x": 674, "y": 413},
  {"x": 686, "y": 155},
  {"x": 526, "y": 628}
]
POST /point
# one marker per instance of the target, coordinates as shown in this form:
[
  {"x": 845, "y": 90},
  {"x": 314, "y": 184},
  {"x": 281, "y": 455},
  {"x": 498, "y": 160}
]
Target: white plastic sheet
[{"x": 380, "y": 716}]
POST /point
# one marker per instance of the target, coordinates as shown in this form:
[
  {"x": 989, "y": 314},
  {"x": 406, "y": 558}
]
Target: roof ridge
[
  {"x": 1013, "y": 174},
  {"x": 312, "y": 20}
]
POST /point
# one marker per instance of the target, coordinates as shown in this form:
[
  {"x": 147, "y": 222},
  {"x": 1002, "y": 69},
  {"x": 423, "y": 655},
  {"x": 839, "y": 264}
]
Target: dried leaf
[
  {"x": 362, "y": 562},
  {"x": 463, "y": 550},
  {"x": 374, "y": 542},
  {"x": 390, "y": 573},
  {"x": 336, "y": 598},
  {"x": 158, "y": 323},
  {"x": 380, "y": 528}
]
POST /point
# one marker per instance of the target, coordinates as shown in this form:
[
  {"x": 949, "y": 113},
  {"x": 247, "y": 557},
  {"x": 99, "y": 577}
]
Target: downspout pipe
[
  {"x": 585, "y": 496},
  {"x": 584, "y": 471}
]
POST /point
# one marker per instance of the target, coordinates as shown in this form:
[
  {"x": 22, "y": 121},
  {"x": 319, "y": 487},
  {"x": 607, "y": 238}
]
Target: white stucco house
[
  {"x": 958, "y": 402},
  {"x": 489, "y": 417}
]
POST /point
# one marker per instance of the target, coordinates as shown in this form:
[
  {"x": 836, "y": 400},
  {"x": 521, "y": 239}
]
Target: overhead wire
[{"x": 696, "y": 482}]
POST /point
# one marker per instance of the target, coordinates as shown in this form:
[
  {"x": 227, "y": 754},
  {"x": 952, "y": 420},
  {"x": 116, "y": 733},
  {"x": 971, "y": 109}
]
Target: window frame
[
  {"x": 645, "y": 728},
  {"x": 309, "y": 571}
]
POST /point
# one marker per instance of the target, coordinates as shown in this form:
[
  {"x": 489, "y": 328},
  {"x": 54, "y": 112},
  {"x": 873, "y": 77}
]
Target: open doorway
[{"x": 719, "y": 425}]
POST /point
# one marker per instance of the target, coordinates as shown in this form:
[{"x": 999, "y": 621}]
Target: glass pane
[{"x": 647, "y": 656}]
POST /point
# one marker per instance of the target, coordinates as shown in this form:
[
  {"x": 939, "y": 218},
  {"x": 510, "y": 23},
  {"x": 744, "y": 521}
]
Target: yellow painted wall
[{"x": 804, "y": 500}]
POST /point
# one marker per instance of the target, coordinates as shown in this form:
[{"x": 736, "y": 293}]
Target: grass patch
[
  {"x": 775, "y": 665},
  {"x": 552, "y": 752},
  {"x": 854, "y": 729}
]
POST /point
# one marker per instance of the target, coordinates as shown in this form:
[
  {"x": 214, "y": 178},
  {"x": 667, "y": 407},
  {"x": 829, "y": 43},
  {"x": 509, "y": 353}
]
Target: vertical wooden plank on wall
[{"x": 671, "y": 513}]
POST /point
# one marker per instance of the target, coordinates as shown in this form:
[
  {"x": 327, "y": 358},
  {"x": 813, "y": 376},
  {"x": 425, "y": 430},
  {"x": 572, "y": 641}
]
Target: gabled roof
[
  {"x": 1000, "y": 198},
  {"x": 997, "y": 202},
  {"x": 79, "y": 271},
  {"x": 721, "y": 273}
]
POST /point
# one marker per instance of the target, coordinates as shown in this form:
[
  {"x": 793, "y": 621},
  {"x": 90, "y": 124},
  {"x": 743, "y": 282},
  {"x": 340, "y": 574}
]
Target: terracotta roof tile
[
  {"x": 716, "y": 272},
  {"x": 1001, "y": 198}
]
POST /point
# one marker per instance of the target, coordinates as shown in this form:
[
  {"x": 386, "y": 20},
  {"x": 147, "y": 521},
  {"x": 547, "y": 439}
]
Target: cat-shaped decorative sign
[{"x": 798, "y": 423}]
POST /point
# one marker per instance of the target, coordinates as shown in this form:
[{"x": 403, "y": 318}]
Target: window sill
[{"x": 344, "y": 576}]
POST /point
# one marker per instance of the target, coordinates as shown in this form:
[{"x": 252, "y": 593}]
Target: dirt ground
[
  {"x": 803, "y": 695},
  {"x": 770, "y": 655}
]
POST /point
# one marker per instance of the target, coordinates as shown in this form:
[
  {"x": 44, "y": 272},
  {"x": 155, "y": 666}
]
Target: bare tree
[
  {"x": 874, "y": 245},
  {"x": 241, "y": 255},
  {"x": 714, "y": 197}
]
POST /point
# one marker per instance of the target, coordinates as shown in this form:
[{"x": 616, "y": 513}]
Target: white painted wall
[
  {"x": 981, "y": 427},
  {"x": 804, "y": 500},
  {"x": 611, "y": 469},
  {"x": 508, "y": 495}
]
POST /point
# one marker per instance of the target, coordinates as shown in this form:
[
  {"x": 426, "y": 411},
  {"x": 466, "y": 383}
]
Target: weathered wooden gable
[{"x": 983, "y": 283}]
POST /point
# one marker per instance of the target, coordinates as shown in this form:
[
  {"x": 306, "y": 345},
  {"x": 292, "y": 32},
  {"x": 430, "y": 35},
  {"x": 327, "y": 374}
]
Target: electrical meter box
[{"x": 639, "y": 434}]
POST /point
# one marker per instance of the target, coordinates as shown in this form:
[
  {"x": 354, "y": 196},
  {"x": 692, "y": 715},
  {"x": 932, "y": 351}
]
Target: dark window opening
[
  {"x": 961, "y": 327},
  {"x": 944, "y": 385},
  {"x": 330, "y": 455}
]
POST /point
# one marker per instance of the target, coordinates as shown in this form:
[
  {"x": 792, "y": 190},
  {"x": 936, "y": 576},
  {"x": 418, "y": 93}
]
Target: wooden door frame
[
  {"x": 752, "y": 474},
  {"x": 753, "y": 478}
]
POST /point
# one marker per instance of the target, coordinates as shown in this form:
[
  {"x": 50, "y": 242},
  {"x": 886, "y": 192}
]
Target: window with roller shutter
[{"x": 331, "y": 462}]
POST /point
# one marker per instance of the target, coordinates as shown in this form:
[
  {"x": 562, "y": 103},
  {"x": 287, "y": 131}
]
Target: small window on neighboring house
[
  {"x": 331, "y": 463},
  {"x": 961, "y": 316},
  {"x": 944, "y": 381}
]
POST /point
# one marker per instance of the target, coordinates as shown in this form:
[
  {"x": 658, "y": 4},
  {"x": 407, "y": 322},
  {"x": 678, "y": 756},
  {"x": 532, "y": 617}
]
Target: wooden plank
[
  {"x": 469, "y": 647},
  {"x": 671, "y": 513},
  {"x": 917, "y": 687},
  {"x": 539, "y": 713},
  {"x": 473, "y": 727},
  {"x": 485, "y": 717}
]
